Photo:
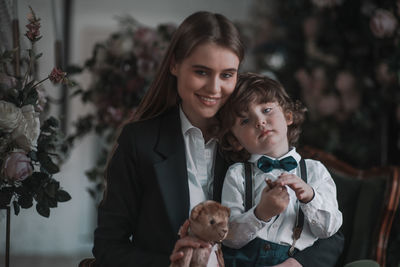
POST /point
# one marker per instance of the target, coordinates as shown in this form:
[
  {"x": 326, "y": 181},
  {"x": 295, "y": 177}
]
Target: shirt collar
[
  {"x": 292, "y": 152},
  {"x": 185, "y": 123}
]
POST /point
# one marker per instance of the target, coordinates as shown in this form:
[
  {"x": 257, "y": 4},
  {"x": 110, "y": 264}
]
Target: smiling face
[
  {"x": 262, "y": 129},
  {"x": 205, "y": 79}
]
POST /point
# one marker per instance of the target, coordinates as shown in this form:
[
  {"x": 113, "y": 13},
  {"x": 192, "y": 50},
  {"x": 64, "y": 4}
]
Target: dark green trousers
[{"x": 257, "y": 253}]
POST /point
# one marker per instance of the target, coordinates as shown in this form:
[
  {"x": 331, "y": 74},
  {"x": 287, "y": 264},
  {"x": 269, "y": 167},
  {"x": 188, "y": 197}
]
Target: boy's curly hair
[{"x": 252, "y": 87}]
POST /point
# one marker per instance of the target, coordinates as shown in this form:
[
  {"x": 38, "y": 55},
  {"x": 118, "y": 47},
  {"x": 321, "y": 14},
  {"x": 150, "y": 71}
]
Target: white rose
[
  {"x": 11, "y": 116},
  {"x": 383, "y": 23},
  {"x": 28, "y": 130}
]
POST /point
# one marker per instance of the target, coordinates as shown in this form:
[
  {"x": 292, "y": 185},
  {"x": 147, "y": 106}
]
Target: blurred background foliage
[{"x": 342, "y": 59}]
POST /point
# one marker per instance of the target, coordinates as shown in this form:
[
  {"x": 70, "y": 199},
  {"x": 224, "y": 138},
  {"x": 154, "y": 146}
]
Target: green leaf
[
  {"x": 92, "y": 174},
  {"x": 99, "y": 187},
  {"x": 31, "y": 53},
  {"x": 73, "y": 69},
  {"x": 31, "y": 98},
  {"x": 92, "y": 192},
  {"x": 52, "y": 202},
  {"x": 51, "y": 189},
  {"x": 28, "y": 86},
  {"x": 63, "y": 196},
  {"x": 16, "y": 207},
  {"x": 25, "y": 201},
  {"x": 53, "y": 122},
  {"x": 32, "y": 154},
  {"x": 39, "y": 195},
  {"x": 77, "y": 92},
  {"x": 6, "y": 194},
  {"x": 8, "y": 55},
  {"x": 40, "y": 176},
  {"x": 47, "y": 163},
  {"x": 43, "y": 210}
]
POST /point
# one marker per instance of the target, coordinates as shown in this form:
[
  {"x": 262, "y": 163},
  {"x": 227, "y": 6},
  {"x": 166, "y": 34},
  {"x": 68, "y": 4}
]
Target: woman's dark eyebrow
[{"x": 207, "y": 68}]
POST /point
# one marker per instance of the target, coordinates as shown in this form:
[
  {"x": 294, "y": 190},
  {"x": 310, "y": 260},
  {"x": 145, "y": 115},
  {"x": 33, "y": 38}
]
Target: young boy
[{"x": 260, "y": 125}]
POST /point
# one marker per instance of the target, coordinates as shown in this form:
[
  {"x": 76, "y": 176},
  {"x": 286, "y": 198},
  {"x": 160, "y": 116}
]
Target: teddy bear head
[{"x": 209, "y": 221}]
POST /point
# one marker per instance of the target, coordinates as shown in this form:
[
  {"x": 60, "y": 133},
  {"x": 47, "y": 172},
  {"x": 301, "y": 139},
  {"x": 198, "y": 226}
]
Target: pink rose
[
  {"x": 326, "y": 3},
  {"x": 345, "y": 82},
  {"x": 384, "y": 75},
  {"x": 17, "y": 166},
  {"x": 328, "y": 105},
  {"x": 383, "y": 23},
  {"x": 310, "y": 28}
]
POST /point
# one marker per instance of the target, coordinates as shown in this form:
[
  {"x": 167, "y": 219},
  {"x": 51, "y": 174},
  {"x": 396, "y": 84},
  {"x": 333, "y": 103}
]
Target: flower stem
[{"x": 40, "y": 82}]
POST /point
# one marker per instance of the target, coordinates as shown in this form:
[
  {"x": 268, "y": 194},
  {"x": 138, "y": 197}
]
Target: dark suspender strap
[
  {"x": 249, "y": 194},
  {"x": 300, "y": 216},
  {"x": 303, "y": 171},
  {"x": 248, "y": 186}
]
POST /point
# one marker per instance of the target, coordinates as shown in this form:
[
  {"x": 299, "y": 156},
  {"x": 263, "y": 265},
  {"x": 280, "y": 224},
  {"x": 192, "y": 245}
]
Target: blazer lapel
[
  {"x": 220, "y": 169},
  {"x": 172, "y": 172}
]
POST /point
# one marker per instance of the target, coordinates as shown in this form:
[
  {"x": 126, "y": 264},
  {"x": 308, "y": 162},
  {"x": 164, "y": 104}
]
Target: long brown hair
[{"x": 198, "y": 28}]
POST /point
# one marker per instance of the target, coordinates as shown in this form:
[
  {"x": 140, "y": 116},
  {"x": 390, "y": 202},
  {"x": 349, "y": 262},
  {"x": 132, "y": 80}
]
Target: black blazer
[{"x": 147, "y": 197}]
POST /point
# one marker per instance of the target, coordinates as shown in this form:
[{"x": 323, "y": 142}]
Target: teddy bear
[{"x": 208, "y": 221}]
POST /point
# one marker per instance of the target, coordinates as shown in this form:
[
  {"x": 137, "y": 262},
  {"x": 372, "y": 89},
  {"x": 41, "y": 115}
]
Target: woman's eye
[
  {"x": 212, "y": 221},
  {"x": 226, "y": 75},
  {"x": 201, "y": 72},
  {"x": 244, "y": 121},
  {"x": 266, "y": 110}
]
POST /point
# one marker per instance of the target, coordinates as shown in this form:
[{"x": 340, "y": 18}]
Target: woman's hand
[{"x": 185, "y": 241}]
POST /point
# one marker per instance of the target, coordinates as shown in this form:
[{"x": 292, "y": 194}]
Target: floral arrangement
[
  {"x": 342, "y": 59},
  {"x": 30, "y": 151},
  {"x": 121, "y": 69}
]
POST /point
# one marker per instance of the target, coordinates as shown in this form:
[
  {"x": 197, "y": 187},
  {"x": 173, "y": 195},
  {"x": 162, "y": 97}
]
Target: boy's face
[{"x": 263, "y": 129}]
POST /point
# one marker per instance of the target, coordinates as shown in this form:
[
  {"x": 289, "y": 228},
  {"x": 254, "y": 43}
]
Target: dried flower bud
[
  {"x": 33, "y": 26},
  {"x": 57, "y": 75}
]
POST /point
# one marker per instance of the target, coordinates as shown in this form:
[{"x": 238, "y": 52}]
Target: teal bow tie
[{"x": 266, "y": 164}]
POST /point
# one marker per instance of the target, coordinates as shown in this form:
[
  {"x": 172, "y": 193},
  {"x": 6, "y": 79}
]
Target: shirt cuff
[{"x": 313, "y": 205}]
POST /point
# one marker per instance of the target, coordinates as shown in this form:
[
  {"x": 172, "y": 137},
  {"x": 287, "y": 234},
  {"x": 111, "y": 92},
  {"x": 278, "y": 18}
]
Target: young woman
[{"x": 166, "y": 161}]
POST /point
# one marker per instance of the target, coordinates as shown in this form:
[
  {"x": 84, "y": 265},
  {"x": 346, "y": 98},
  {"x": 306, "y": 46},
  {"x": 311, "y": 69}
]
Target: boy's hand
[
  {"x": 303, "y": 191},
  {"x": 274, "y": 200}
]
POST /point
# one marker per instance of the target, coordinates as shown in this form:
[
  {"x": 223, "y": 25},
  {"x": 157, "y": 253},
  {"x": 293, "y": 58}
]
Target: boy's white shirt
[{"x": 322, "y": 217}]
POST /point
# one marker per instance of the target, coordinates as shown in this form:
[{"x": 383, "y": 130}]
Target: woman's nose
[{"x": 214, "y": 85}]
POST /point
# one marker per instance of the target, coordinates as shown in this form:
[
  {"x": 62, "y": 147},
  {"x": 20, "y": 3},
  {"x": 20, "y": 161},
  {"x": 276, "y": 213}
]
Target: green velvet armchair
[{"x": 368, "y": 200}]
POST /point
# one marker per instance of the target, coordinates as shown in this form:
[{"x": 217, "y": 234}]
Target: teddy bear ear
[
  {"x": 228, "y": 210},
  {"x": 196, "y": 211}
]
